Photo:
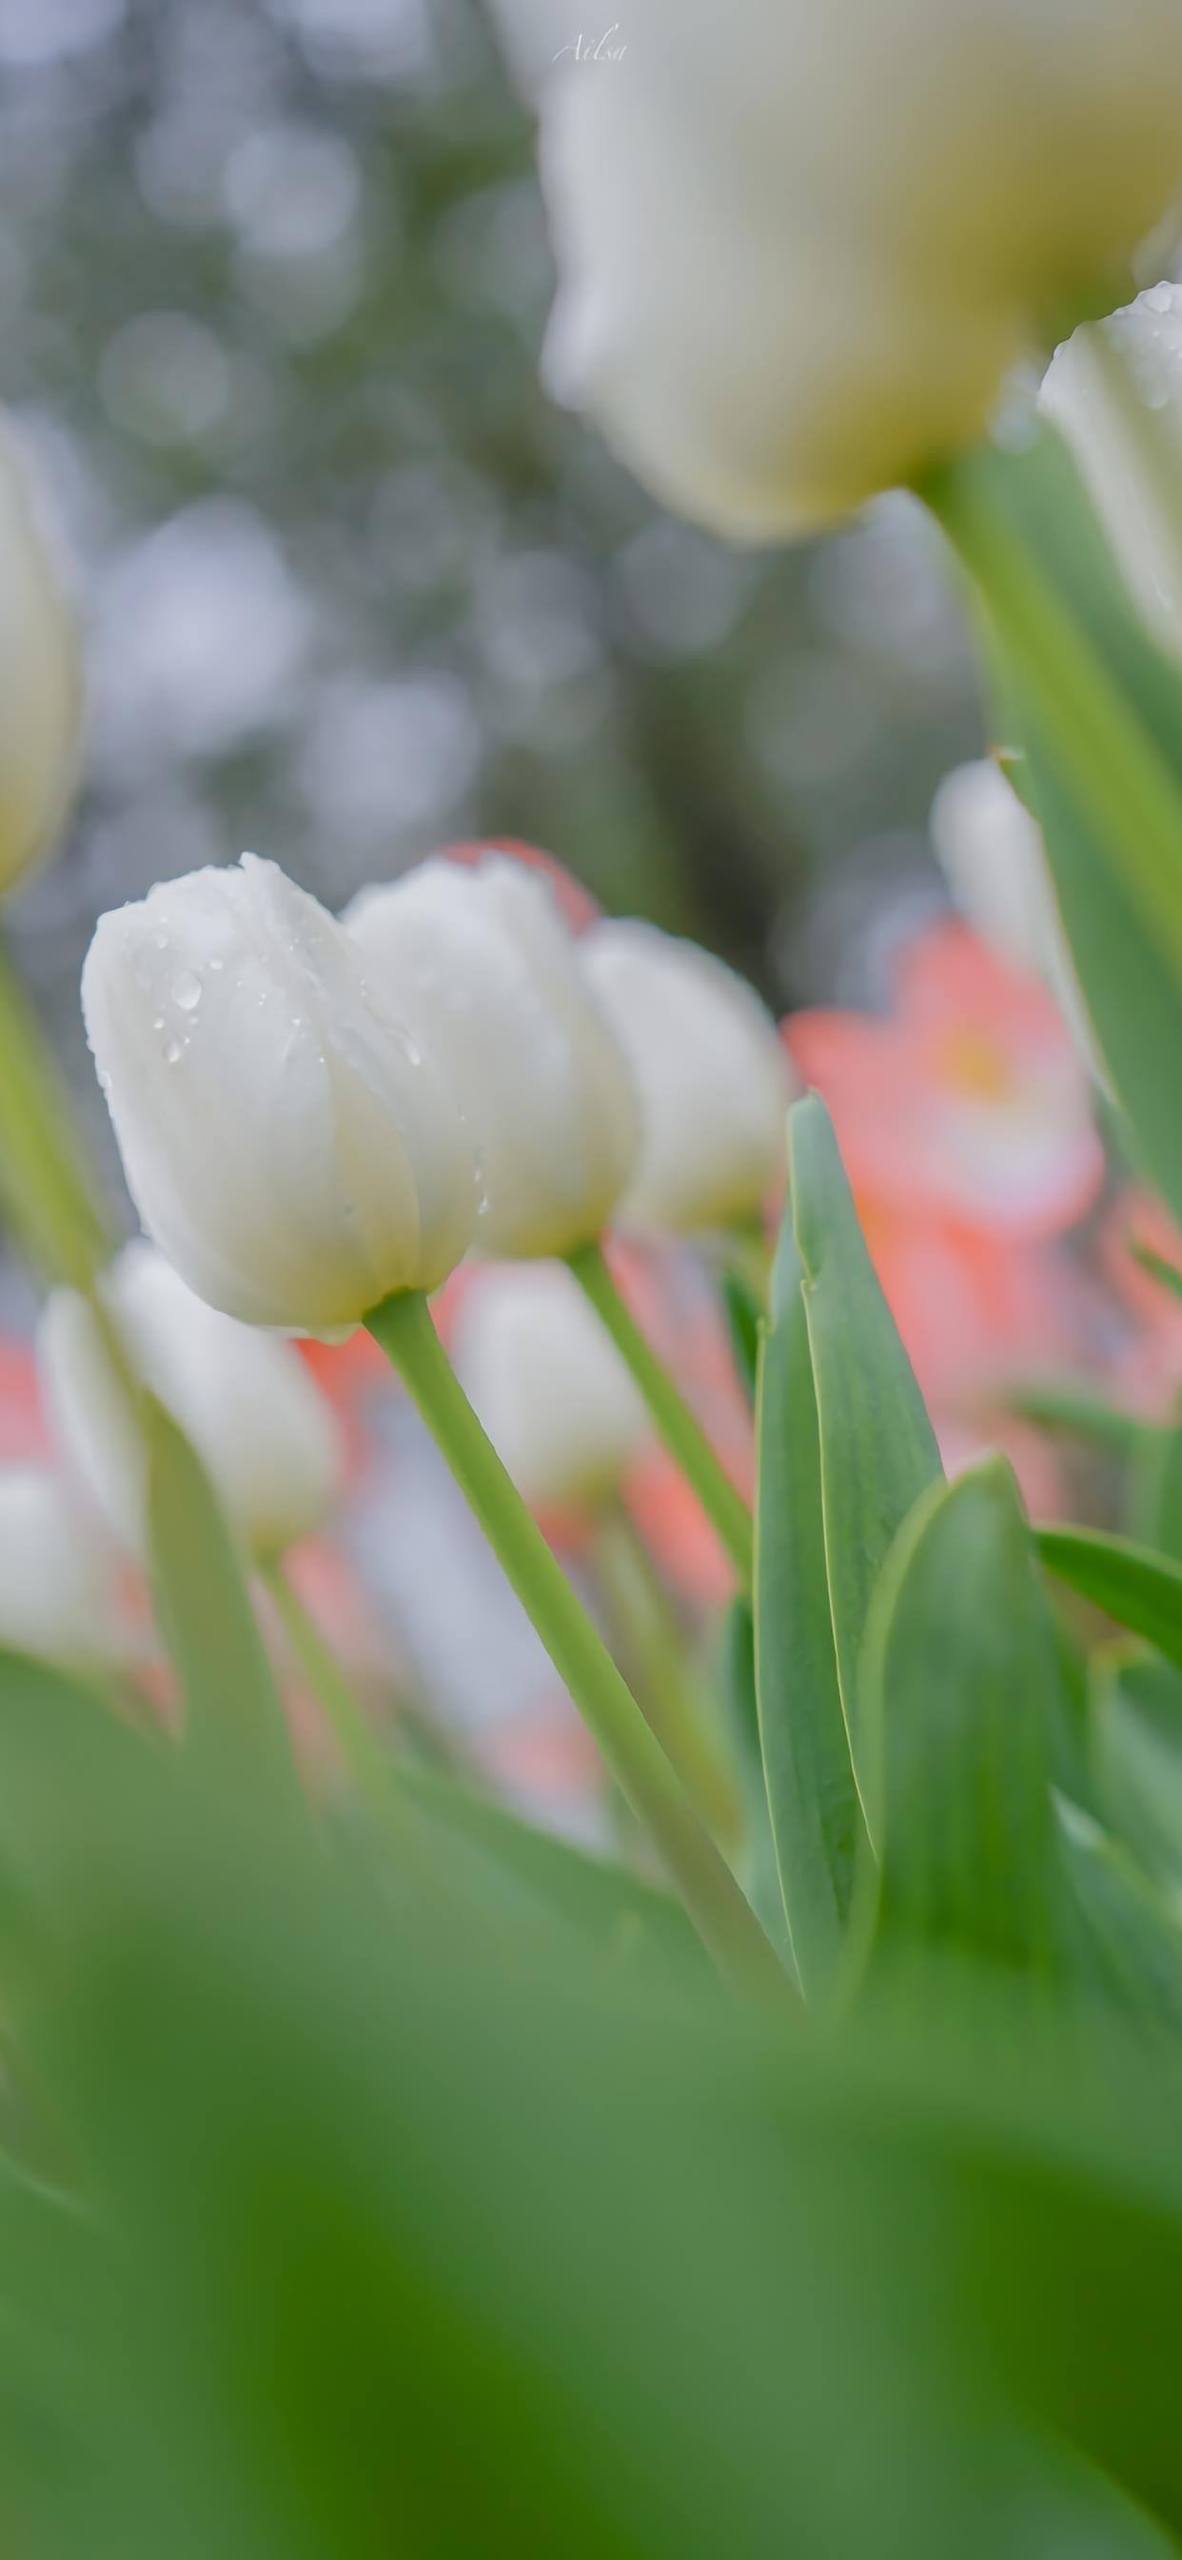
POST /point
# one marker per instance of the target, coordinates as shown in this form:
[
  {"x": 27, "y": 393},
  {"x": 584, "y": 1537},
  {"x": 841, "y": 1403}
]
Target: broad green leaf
[
  {"x": 1136, "y": 1731},
  {"x": 961, "y": 1666},
  {"x": 812, "y": 1797},
  {"x": 1120, "y": 1937},
  {"x": 1141, "y": 1590},
  {"x": 624, "y": 1919},
  {"x": 1118, "y": 883},
  {"x": 1155, "y": 1493},
  {"x": 204, "y": 1607},
  {"x": 877, "y": 1448},
  {"x": 758, "y": 1867}
]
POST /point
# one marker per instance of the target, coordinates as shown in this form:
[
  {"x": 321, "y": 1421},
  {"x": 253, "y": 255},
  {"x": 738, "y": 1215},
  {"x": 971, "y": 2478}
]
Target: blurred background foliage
[{"x": 273, "y": 282}]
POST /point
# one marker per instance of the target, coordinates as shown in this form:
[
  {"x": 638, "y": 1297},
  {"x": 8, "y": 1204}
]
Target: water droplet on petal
[
  {"x": 186, "y": 990},
  {"x": 175, "y": 1050}
]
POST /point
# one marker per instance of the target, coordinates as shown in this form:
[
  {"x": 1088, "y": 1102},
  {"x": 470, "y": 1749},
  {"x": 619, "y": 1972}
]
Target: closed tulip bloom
[
  {"x": 991, "y": 851},
  {"x": 711, "y": 1072},
  {"x": 40, "y": 679},
  {"x": 480, "y": 965},
  {"x": 1090, "y": 392},
  {"x": 288, "y": 1144},
  {"x": 60, "y": 1595},
  {"x": 799, "y": 248},
  {"x": 552, "y": 1392},
  {"x": 245, "y": 1399}
]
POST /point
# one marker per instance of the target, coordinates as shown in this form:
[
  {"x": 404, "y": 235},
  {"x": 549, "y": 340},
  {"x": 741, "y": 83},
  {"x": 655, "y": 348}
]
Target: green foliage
[{"x": 960, "y": 1672}]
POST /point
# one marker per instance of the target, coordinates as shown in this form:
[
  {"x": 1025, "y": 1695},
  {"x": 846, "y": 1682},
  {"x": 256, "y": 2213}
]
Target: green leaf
[
  {"x": 745, "y": 1322},
  {"x": 1141, "y": 1590},
  {"x": 877, "y": 1448},
  {"x": 1026, "y": 530},
  {"x": 1158, "y": 1268},
  {"x": 816, "y": 1819},
  {"x": 1136, "y": 1737},
  {"x": 1155, "y": 1493},
  {"x": 204, "y": 1607},
  {"x": 758, "y": 1867},
  {"x": 961, "y": 1666},
  {"x": 1121, "y": 1939}
]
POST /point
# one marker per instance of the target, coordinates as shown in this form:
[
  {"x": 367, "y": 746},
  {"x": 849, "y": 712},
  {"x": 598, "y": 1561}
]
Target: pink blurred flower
[{"x": 969, "y": 1102}]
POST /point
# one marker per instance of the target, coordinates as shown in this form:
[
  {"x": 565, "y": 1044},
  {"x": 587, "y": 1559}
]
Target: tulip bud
[
  {"x": 798, "y": 253},
  {"x": 991, "y": 851},
  {"x": 59, "y": 1579},
  {"x": 267, "y": 1435},
  {"x": 1090, "y": 393},
  {"x": 286, "y": 1142},
  {"x": 40, "y": 679},
  {"x": 712, "y": 1075},
  {"x": 550, "y": 1388},
  {"x": 481, "y": 968}
]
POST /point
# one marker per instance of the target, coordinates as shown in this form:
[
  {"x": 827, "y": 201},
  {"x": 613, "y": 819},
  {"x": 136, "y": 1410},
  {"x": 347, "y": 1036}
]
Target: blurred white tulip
[
  {"x": 60, "y": 1594},
  {"x": 712, "y": 1075},
  {"x": 286, "y": 1141},
  {"x": 991, "y": 851},
  {"x": 800, "y": 243},
  {"x": 268, "y": 1437},
  {"x": 552, "y": 1391},
  {"x": 40, "y": 679},
  {"x": 1090, "y": 391},
  {"x": 478, "y": 962}
]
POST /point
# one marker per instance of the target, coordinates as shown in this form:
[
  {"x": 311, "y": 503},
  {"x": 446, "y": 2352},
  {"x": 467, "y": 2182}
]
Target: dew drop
[
  {"x": 186, "y": 990},
  {"x": 174, "y": 1051}
]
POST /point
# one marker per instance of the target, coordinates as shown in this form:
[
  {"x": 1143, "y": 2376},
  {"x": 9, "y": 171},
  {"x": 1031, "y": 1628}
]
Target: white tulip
[
  {"x": 40, "y": 679},
  {"x": 244, "y": 1398},
  {"x": 800, "y": 244},
  {"x": 287, "y": 1143},
  {"x": 59, "y": 1578},
  {"x": 480, "y": 965},
  {"x": 550, "y": 1388},
  {"x": 712, "y": 1075},
  {"x": 1092, "y": 401},
  {"x": 991, "y": 851}
]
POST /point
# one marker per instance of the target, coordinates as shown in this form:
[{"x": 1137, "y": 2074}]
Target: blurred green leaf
[
  {"x": 1158, "y": 1267},
  {"x": 961, "y": 1665},
  {"x": 1155, "y": 1493},
  {"x": 1120, "y": 897},
  {"x": 877, "y": 1447},
  {"x": 1141, "y": 1590},
  {"x": 1120, "y": 1936},
  {"x": 205, "y": 1611},
  {"x": 1137, "y": 1757},
  {"x": 815, "y": 1814}
]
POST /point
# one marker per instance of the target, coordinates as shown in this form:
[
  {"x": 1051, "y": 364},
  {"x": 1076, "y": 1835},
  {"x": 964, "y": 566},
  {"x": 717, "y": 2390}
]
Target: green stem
[
  {"x": 680, "y": 1429},
  {"x": 46, "y": 1192},
  {"x": 371, "y": 1768},
  {"x": 402, "y": 1326},
  {"x": 1084, "y": 717},
  {"x": 652, "y": 1641}
]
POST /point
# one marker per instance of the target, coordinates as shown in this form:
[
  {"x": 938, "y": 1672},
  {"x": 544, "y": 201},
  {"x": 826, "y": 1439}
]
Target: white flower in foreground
[
  {"x": 480, "y": 965},
  {"x": 40, "y": 679},
  {"x": 59, "y": 1578},
  {"x": 712, "y": 1075},
  {"x": 268, "y": 1437},
  {"x": 800, "y": 242},
  {"x": 552, "y": 1391},
  {"x": 992, "y": 855},
  {"x": 286, "y": 1142},
  {"x": 1090, "y": 393}
]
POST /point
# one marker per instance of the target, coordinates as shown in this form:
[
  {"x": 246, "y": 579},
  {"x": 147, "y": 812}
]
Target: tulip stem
[
  {"x": 371, "y": 1768},
  {"x": 676, "y": 1425},
  {"x": 46, "y": 1192},
  {"x": 654, "y": 1646},
  {"x": 1104, "y": 745},
  {"x": 715, "y": 1902}
]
